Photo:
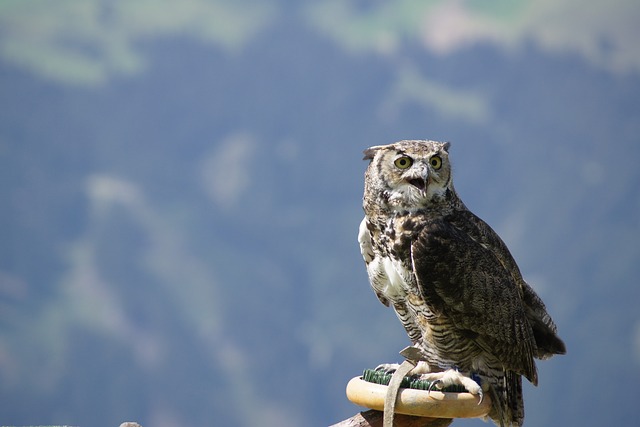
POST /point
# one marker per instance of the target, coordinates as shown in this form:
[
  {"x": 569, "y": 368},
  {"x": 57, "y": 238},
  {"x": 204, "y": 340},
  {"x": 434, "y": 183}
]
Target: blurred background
[{"x": 181, "y": 183}]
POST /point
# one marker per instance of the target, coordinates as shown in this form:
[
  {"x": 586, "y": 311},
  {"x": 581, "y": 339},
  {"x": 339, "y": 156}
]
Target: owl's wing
[
  {"x": 465, "y": 281},
  {"x": 544, "y": 330},
  {"x": 373, "y": 263},
  {"x": 364, "y": 239}
]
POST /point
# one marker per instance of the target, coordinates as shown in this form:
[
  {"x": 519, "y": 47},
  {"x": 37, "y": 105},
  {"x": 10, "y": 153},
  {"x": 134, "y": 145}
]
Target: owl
[{"x": 450, "y": 279}]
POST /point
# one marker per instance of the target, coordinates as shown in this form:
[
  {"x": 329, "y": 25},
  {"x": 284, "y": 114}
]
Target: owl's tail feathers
[
  {"x": 548, "y": 343},
  {"x": 507, "y": 403}
]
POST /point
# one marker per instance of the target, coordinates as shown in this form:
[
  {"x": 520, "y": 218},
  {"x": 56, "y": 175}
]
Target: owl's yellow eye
[
  {"x": 403, "y": 162},
  {"x": 436, "y": 162}
]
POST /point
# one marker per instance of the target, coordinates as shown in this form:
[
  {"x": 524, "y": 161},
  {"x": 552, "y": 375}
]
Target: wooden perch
[{"x": 373, "y": 418}]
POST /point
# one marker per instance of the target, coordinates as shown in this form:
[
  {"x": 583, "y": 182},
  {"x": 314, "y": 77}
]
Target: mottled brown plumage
[{"x": 450, "y": 278}]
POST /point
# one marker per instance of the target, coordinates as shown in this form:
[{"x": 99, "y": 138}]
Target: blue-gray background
[{"x": 180, "y": 188}]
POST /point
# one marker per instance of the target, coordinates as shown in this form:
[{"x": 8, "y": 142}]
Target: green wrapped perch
[{"x": 413, "y": 382}]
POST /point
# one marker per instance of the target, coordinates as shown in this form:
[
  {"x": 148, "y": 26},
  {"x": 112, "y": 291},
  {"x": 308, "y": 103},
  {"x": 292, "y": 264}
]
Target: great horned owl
[{"x": 450, "y": 279}]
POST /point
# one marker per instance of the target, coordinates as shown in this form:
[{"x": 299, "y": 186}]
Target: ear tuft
[{"x": 370, "y": 152}]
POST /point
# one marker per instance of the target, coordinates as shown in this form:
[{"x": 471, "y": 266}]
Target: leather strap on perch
[{"x": 392, "y": 391}]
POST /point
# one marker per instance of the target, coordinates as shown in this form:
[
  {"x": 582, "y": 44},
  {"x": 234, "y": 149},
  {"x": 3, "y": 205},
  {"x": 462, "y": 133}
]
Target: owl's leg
[
  {"x": 410, "y": 353},
  {"x": 421, "y": 368},
  {"x": 440, "y": 380},
  {"x": 389, "y": 368}
]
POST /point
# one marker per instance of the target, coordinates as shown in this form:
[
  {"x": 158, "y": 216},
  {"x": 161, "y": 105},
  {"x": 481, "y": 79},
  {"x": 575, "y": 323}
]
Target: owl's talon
[
  {"x": 478, "y": 380},
  {"x": 387, "y": 368},
  {"x": 437, "y": 384},
  {"x": 441, "y": 380}
]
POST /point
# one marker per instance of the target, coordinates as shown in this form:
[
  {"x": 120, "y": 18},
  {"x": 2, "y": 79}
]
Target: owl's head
[{"x": 408, "y": 175}]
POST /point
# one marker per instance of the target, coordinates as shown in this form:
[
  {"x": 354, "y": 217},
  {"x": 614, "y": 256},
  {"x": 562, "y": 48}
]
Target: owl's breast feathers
[{"x": 467, "y": 279}]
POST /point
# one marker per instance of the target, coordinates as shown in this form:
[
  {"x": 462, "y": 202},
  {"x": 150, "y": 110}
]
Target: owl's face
[{"x": 409, "y": 175}]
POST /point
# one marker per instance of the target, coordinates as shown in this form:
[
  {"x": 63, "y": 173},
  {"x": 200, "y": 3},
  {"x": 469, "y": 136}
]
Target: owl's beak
[
  {"x": 420, "y": 178},
  {"x": 419, "y": 183}
]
